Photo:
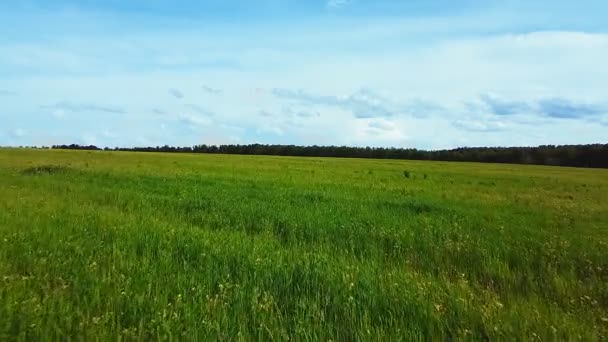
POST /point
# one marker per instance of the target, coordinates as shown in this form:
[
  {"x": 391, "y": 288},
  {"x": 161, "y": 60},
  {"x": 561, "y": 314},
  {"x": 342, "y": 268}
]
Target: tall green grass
[{"x": 102, "y": 245}]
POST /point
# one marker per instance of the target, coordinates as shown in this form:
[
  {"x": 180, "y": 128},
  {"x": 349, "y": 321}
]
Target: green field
[{"x": 109, "y": 245}]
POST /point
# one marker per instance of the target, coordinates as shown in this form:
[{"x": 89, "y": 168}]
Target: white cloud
[
  {"x": 195, "y": 120},
  {"x": 363, "y": 103},
  {"x": 212, "y": 138},
  {"x": 307, "y": 114},
  {"x": 480, "y": 126},
  {"x": 399, "y": 89},
  {"x": 381, "y": 124},
  {"x": 381, "y": 132}
]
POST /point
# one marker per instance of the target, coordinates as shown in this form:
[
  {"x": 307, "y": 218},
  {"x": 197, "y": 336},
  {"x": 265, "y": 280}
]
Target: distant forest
[{"x": 595, "y": 155}]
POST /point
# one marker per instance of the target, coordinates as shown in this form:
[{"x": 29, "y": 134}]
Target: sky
[{"x": 427, "y": 74}]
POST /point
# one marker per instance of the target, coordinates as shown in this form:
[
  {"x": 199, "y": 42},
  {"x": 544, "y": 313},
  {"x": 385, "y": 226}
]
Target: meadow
[{"x": 141, "y": 246}]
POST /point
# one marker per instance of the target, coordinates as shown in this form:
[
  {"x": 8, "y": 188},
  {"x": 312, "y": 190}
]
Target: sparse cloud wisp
[
  {"x": 176, "y": 93},
  {"x": 557, "y": 108},
  {"x": 335, "y": 4},
  {"x": 78, "y": 107},
  {"x": 211, "y": 90},
  {"x": 564, "y": 109},
  {"x": 362, "y": 104}
]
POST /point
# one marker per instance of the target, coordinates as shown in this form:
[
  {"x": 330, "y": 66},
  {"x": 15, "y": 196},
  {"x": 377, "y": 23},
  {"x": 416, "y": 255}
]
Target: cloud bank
[{"x": 362, "y": 73}]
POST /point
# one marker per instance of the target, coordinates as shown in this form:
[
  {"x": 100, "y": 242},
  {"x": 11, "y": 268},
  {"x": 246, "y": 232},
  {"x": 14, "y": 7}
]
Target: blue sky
[{"x": 424, "y": 74}]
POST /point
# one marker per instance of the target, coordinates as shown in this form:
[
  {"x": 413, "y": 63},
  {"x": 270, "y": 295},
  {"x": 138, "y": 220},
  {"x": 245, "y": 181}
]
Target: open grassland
[{"x": 103, "y": 245}]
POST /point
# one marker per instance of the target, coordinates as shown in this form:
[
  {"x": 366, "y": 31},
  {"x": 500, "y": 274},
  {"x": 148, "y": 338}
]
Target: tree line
[{"x": 594, "y": 155}]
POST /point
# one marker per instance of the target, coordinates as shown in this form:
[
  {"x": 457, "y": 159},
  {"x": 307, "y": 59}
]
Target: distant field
[{"x": 105, "y": 245}]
